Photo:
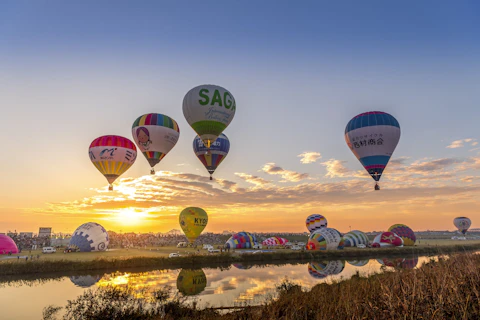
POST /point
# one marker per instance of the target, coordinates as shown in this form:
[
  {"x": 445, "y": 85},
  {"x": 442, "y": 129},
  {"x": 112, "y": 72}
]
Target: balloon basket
[
  {"x": 110, "y": 188},
  {"x": 152, "y": 171},
  {"x": 211, "y": 178},
  {"x": 377, "y": 187}
]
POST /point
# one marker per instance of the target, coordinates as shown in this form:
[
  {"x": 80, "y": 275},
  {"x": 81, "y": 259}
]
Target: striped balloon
[
  {"x": 372, "y": 137},
  {"x": 354, "y": 238},
  {"x": 211, "y": 158},
  {"x": 358, "y": 263},
  {"x": 112, "y": 156},
  {"x": 315, "y": 222},
  {"x": 274, "y": 241},
  {"x": 155, "y": 135},
  {"x": 241, "y": 240},
  {"x": 325, "y": 239}
]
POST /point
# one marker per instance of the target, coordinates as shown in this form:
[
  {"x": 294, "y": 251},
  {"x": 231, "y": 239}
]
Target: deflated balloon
[
  {"x": 192, "y": 221},
  {"x": 211, "y": 158},
  {"x": 354, "y": 238},
  {"x": 112, "y": 156},
  {"x": 241, "y": 240},
  {"x": 209, "y": 109},
  {"x": 404, "y": 232},
  {"x": 372, "y": 137},
  {"x": 315, "y": 222},
  {"x": 191, "y": 282},
  {"x": 155, "y": 135},
  {"x": 462, "y": 224},
  {"x": 274, "y": 241}
]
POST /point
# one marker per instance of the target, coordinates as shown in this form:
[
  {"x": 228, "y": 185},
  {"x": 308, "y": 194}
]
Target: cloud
[
  {"x": 287, "y": 175},
  {"x": 309, "y": 157},
  {"x": 252, "y": 179},
  {"x": 461, "y": 143},
  {"x": 337, "y": 169}
]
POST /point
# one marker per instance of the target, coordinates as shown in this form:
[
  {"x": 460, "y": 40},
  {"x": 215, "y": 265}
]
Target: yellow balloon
[
  {"x": 193, "y": 220},
  {"x": 191, "y": 282}
]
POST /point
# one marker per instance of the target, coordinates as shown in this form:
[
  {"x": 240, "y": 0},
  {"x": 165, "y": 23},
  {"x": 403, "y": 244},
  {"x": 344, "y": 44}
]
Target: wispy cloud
[
  {"x": 309, "y": 157},
  {"x": 287, "y": 175},
  {"x": 337, "y": 169},
  {"x": 461, "y": 143},
  {"x": 252, "y": 179}
]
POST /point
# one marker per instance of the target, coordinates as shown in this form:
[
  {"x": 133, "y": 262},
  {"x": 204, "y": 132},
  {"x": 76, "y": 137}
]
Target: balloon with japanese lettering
[
  {"x": 192, "y": 221},
  {"x": 404, "y": 232},
  {"x": 315, "y": 222},
  {"x": 241, "y": 240},
  {"x": 155, "y": 135},
  {"x": 191, "y": 282},
  {"x": 112, "y": 156},
  {"x": 325, "y": 239},
  {"x": 323, "y": 269},
  {"x": 387, "y": 239},
  {"x": 209, "y": 109},
  {"x": 462, "y": 224},
  {"x": 372, "y": 137},
  {"x": 213, "y": 156},
  {"x": 354, "y": 238}
]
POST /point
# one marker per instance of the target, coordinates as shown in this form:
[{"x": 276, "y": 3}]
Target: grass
[
  {"x": 122, "y": 259},
  {"x": 445, "y": 289}
]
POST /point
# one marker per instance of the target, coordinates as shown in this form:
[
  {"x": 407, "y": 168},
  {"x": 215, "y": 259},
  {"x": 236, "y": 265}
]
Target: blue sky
[{"x": 299, "y": 72}]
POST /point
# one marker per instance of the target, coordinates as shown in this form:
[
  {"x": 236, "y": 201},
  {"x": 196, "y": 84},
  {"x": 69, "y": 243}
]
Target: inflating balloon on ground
[
  {"x": 404, "y": 232},
  {"x": 89, "y": 237}
]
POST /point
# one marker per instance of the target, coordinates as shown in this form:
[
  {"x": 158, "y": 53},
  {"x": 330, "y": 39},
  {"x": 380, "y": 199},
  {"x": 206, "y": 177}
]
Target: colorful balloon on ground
[
  {"x": 315, "y": 222},
  {"x": 241, "y": 240},
  {"x": 341, "y": 244},
  {"x": 7, "y": 245},
  {"x": 89, "y": 237},
  {"x": 193, "y": 220},
  {"x": 112, "y": 156},
  {"x": 85, "y": 281},
  {"x": 358, "y": 263},
  {"x": 462, "y": 224},
  {"x": 155, "y": 135},
  {"x": 372, "y": 137},
  {"x": 191, "y": 282},
  {"x": 354, "y": 238},
  {"x": 404, "y": 232},
  {"x": 274, "y": 241},
  {"x": 387, "y": 239},
  {"x": 209, "y": 109},
  {"x": 322, "y": 269},
  {"x": 211, "y": 158},
  {"x": 325, "y": 239}
]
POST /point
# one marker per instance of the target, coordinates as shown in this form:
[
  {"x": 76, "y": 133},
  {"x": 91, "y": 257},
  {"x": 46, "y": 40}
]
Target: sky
[{"x": 73, "y": 71}]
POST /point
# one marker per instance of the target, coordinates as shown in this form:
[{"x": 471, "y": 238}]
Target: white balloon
[{"x": 89, "y": 237}]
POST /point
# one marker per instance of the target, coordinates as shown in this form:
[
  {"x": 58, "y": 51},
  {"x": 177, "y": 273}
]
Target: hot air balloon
[
  {"x": 211, "y": 158},
  {"x": 209, "y": 109},
  {"x": 404, "y": 232},
  {"x": 372, "y": 137},
  {"x": 155, "y": 135},
  {"x": 325, "y": 239},
  {"x": 89, "y": 237},
  {"x": 7, "y": 245},
  {"x": 323, "y": 269},
  {"x": 191, "y": 282},
  {"x": 274, "y": 241},
  {"x": 462, "y": 224},
  {"x": 241, "y": 240},
  {"x": 85, "y": 281},
  {"x": 193, "y": 220},
  {"x": 387, "y": 239},
  {"x": 354, "y": 238},
  {"x": 315, "y": 222},
  {"x": 112, "y": 156}
]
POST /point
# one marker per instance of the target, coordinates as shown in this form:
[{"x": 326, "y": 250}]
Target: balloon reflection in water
[
  {"x": 322, "y": 269},
  {"x": 191, "y": 282},
  {"x": 241, "y": 266},
  {"x": 358, "y": 263},
  {"x": 402, "y": 263},
  {"x": 85, "y": 281}
]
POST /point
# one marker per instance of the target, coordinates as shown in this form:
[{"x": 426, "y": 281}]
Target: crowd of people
[
  {"x": 138, "y": 240},
  {"x": 26, "y": 242}
]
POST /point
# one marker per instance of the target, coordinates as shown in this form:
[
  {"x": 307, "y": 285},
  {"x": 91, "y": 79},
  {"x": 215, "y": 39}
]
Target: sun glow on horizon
[{"x": 130, "y": 216}]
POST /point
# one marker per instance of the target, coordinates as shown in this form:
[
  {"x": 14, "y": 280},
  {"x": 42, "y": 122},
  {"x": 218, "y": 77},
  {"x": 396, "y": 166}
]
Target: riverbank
[{"x": 43, "y": 265}]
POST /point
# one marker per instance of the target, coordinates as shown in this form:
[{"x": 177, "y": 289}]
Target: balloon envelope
[
  {"x": 155, "y": 135},
  {"x": 372, "y": 137},
  {"x": 462, "y": 224},
  {"x": 354, "y": 238},
  {"x": 404, "y": 232},
  {"x": 191, "y": 282},
  {"x": 192, "y": 221},
  {"x": 241, "y": 240},
  {"x": 387, "y": 239},
  {"x": 211, "y": 158},
  {"x": 325, "y": 239},
  {"x": 274, "y": 241},
  {"x": 209, "y": 109},
  {"x": 89, "y": 237},
  {"x": 112, "y": 156},
  {"x": 315, "y": 222},
  {"x": 7, "y": 245},
  {"x": 323, "y": 269}
]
